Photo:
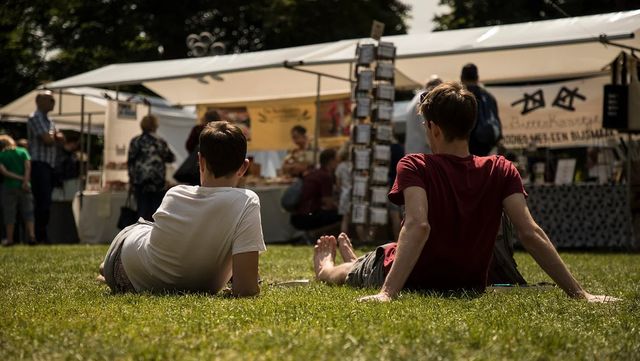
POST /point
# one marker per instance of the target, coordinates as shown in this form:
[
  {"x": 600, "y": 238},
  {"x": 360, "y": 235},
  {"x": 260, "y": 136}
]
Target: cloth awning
[{"x": 507, "y": 53}]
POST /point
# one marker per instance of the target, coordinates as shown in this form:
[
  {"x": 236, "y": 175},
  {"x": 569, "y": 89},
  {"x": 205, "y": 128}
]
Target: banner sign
[
  {"x": 565, "y": 113},
  {"x": 271, "y": 123}
]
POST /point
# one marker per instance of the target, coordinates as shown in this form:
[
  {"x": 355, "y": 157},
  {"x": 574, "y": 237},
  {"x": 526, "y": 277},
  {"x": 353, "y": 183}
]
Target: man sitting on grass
[
  {"x": 201, "y": 235},
  {"x": 453, "y": 203}
]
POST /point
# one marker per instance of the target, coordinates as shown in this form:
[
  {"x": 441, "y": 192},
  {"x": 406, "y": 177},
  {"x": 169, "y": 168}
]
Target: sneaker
[{"x": 6, "y": 243}]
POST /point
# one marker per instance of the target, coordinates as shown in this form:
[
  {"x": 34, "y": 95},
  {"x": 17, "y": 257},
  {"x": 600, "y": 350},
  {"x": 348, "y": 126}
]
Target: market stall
[{"x": 531, "y": 52}]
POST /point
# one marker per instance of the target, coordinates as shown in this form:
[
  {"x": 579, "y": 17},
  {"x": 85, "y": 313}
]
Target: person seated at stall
[
  {"x": 298, "y": 160},
  {"x": 453, "y": 204},
  {"x": 318, "y": 207},
  {"x": 201, "y": 235}
]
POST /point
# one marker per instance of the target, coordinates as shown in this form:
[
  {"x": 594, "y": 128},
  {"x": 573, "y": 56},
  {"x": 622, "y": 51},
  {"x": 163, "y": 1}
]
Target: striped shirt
[{"x": 38, "y": 125}]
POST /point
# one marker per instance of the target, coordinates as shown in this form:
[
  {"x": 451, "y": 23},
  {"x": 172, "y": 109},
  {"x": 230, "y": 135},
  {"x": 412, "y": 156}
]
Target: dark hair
[
  {"x": 469, "y": 72},
  {"x": 327, "y": 156},
  {"x": 210, "y": 116},
  {"x": 224, "y": 148},
  {"x": 299, "y": 129},
  {"x": 453, "y": 108}
]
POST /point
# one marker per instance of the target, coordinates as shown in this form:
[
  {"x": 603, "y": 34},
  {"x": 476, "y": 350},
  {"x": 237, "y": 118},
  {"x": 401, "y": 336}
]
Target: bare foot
[
  {"x": 324, "y": 254},
  {"x": 100, "y": 278},
  {"x": 346, "y": 248}
]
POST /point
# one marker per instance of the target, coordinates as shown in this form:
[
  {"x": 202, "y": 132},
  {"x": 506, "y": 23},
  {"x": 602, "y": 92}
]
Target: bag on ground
[{"x": 128, "y": 215}]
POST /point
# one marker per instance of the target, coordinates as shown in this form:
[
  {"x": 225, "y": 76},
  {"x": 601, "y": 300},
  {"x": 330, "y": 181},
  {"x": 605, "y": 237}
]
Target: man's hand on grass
[{"x": 380, "y": 297}]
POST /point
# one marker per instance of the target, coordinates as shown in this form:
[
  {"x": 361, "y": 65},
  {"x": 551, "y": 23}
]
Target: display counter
[
  {"x": 275, "y": 220},
  {"x": 96, "y": 214},
  {"x": 584, "y": 215}
]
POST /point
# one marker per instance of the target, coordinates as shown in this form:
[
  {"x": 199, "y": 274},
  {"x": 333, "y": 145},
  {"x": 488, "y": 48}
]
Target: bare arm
[
  {"x": 413, "y": 237},
  {"x": 245, "y": 275},
  {"x": 536, "y": 242},
  {"x": 5, "y": 172},
  {"x": 27, "y": 175}
]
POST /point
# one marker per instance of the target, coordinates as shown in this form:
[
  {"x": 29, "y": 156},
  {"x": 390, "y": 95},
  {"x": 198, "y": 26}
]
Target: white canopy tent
[
  {"x": 174, "y": 123},
  {"x": 508, "y": 53}
]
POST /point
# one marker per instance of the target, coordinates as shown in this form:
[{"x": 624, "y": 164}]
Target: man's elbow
[
  {"x": 532, "y": 237},
  {"x": 421, "y": 228}
]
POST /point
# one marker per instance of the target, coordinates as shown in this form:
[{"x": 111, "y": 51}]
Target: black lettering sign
[{"x": 531, "y": 102}]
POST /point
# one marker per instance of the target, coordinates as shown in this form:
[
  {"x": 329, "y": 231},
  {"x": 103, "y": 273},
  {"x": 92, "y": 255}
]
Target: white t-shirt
[{"x": 190, "y": 245}]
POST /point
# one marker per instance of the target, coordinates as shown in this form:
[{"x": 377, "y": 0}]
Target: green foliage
[
  {"x": 53, "y": 309},
  {"x": 477, "y": 13},
  {"x": 47, "y": 40}
]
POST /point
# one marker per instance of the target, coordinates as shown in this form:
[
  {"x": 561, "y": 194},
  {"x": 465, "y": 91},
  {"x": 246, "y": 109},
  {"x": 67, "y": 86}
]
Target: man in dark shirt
[
  {"x": 469, "y": 77},
  {"x": 317, "y": 207},
  {"x": 453, "y": 204}
]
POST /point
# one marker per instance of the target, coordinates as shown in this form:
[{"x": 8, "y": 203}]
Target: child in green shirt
[{"x": 15, "y": 166}]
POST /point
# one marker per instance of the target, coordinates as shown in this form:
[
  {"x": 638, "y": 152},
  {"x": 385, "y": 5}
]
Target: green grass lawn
[{"x": 52, "y": 308}]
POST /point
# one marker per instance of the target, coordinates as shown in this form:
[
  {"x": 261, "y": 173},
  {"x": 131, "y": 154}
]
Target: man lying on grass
[
  {"x": 201, "y": 235},
  {"x": 453, "y": 203}
]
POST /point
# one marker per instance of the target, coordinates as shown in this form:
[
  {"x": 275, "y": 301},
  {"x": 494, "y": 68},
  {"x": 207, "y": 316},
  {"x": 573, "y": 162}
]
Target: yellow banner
[{"x": 271, "y": 123}]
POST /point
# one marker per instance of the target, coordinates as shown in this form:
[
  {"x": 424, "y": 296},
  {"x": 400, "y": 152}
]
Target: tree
[
  {"x": 47, "y": 40},
  {"x": 476, "y": 13}
]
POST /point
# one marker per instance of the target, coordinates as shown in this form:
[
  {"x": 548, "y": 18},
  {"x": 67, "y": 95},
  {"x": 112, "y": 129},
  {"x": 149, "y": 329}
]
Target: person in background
[
  {"x": 146, "y": 160},
  {"x": 15, "y": 166},
  {"x": 43, "y": 141},
  {"x": 416, "y": 141},
  {"x": 202, "y": 235},
  {"x": 454, "y": 201},
  {"x": 299, "y": 160},
  {"x": 469, "y": 77},
  {"x": 194, "y": 135},
  {"x": 317, "y": 207}
]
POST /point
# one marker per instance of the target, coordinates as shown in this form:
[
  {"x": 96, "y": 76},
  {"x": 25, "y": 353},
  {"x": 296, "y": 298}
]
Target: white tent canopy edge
[{"x": 536, "y": 50}]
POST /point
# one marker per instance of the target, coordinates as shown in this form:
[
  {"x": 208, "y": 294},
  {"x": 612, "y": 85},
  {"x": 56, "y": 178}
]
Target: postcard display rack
[{"x": 373, "y": 96}]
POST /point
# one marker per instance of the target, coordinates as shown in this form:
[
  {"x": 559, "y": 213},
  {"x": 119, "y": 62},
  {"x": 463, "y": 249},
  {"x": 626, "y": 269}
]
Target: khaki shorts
[
  {"x": 14, "y": 199},
  {"x": 368, "y": 270}
]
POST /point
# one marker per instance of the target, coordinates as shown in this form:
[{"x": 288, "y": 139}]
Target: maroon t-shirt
[
  {"x": 317, "y": 185},
  {"x": 465, "y": 205}
]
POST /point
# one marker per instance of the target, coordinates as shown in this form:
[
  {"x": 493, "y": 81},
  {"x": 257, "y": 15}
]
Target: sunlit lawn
[{"x": 52, "y": 308}]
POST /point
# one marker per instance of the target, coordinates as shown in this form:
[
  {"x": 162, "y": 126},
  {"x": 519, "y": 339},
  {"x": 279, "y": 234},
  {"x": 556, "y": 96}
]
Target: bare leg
[
  {"x": 9, "y": 228},
  {"x": 31, "y": 231},
  {"x": 346, "y": 249},
  {"x": 324, "y": 255}
]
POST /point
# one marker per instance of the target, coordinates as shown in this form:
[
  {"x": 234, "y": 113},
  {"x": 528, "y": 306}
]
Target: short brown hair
[
  {"x": 149, "y": 123},
  {"x": 453, "y": 108},
  {"x": 224, "y": 148}
]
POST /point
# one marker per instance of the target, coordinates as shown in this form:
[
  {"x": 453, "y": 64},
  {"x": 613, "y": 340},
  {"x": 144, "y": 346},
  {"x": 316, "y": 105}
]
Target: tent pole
[
  {"x": 82, "y": 141},
  {"x": 60, "y": 102},
  {"x": 88, "y": 147},
  {"x": 317, "y": 132}
]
